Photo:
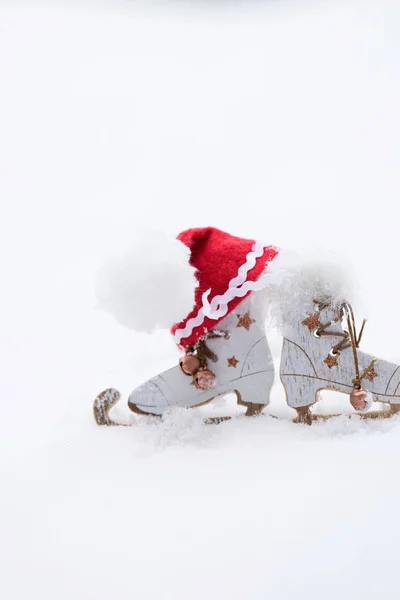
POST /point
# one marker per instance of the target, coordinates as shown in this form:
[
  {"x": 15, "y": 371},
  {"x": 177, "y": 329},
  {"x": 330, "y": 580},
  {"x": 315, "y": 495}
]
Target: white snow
[
  {"x": 302, "y": 276},
  {"x": 273, "y": 121}
]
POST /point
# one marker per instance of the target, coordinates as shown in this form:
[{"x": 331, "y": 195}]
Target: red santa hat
[
  {"x": 228, "y": 269},
  {"x": 193, "y": 280}
]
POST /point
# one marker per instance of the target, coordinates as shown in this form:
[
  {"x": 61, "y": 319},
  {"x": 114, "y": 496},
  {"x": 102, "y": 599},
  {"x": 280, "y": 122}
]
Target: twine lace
[{"x": 350, "y": 339}]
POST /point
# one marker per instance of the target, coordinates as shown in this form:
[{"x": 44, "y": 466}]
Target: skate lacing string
[
  {"x": 350, "y": 338},
  {"x": 202, "y": 350}
]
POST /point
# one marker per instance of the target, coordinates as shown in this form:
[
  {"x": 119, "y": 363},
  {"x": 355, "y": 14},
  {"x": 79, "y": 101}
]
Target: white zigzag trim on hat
[
  {"x": 249, "y": 286},
  {"x": 251, "y": 259},
  {"x": 190, "y": 325},
  {"x": 237, "y": 288}
]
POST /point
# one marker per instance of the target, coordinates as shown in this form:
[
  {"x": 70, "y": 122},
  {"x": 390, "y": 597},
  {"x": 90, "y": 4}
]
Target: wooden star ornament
[
  {"x": 331, "y": 361},
  {"x": 245, "y": 321},
  {"x": 312, "y": 322},
  {"x": 232, "y": 362},
  {"x": 371, "y": 374}
]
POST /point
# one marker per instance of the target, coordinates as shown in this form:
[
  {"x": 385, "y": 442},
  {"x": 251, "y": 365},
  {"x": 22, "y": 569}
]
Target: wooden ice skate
[
  {"x": 240, "y": 360},
  {"x": 318, "y": 354}
]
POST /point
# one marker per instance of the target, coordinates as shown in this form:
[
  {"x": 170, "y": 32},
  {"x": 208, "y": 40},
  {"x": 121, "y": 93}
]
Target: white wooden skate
[
  {"x": 244, "y": 365},
  {"x": 318, "y": 354}
]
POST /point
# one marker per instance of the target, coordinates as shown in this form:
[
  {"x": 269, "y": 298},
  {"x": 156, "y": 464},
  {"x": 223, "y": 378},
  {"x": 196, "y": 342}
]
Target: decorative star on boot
[
  {"x": 371, "y": 374},
  {"x": 245, "y": 321},
  {"x": 312, "y": 322},
  {"x": 331, "y": 361},
  {"x": 232, "y": 362}
]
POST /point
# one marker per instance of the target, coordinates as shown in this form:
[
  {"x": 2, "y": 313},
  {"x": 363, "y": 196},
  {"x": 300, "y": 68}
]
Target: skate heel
[
  {"x": 252, "y": 391},
  {"x": 301, "y": 390}
]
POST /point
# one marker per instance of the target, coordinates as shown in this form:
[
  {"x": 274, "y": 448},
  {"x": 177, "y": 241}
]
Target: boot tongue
[{"x": 332, "y": 316}]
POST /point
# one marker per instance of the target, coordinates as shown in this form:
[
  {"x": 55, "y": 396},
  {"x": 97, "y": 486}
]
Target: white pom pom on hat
[{"x": 151, "y": 285}]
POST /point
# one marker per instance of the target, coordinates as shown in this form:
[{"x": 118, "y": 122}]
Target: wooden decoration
[
  {"x": 327, "y": 357},
  {"x": 324, "y": 358},
  {"x": 243, "y": 365}
]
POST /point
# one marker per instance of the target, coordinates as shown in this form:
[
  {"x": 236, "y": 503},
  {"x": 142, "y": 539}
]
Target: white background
[{"x": 271, "y": 120}]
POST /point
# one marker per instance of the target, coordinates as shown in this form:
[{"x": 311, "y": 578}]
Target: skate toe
[{"x": 148, "y": 398}]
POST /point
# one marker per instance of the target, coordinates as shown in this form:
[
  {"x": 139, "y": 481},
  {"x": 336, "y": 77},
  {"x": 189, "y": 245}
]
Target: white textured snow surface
[{"x": 272, "y": 120}]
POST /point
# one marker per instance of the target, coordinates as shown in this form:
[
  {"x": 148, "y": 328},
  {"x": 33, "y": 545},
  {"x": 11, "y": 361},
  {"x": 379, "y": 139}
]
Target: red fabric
[{"x": 217, "y": 257}]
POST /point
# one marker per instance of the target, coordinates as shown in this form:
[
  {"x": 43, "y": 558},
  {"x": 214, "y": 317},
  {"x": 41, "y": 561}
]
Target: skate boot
[
  {"x": 223, "y": 337},
  {"x": 321, "y": 352},
  {"x": 233, "y": 358}
]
